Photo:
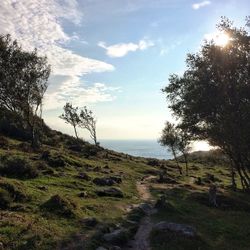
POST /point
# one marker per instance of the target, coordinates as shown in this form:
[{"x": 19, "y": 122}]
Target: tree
[
  {"x": 71, "y": 116},
  {"x": 212, "y": 97},
  {"x": 183, "y": 142},
  {"x": 169, "y": 139},
  {"x": 24, "y": 81},
  {"x": 88, "y": 121}
]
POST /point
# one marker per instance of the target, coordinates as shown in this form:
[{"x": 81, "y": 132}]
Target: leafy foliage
[
  {"x": 24, "y": 80},
  {"x": 71, "y": 116},
  {"x": 212, "y": 98},
  {"x": 19, "y": 167}
]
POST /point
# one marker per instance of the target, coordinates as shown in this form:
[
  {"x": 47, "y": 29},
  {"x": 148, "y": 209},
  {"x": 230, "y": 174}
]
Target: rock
[
  {"x": 76, "y": 147},
  {"x": 83, "y": 194},
  {"x": 115, "y": 248},
  {"x": 198, "y": 181},
  {"x": 101, "y": 248},
  {"x": 43, "y": 188},
  {"x": 116, "y": 179},
  {"x": 145, "y": 207},
  {"x": 97, "y": 169},
  {"x": 83, "y": 176},
  {"x": 118, "y": 236},
  {"x": 112, "y": 192},
  {"x": 90, "y": 222},
  {"x": 162, "y": 203},
  {"x": 182, "y": 229},
  {"x": 104, "y": 181}
]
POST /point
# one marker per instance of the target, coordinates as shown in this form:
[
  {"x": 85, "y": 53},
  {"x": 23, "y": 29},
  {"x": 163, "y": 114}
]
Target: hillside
[{"x": 68, "y": 195}]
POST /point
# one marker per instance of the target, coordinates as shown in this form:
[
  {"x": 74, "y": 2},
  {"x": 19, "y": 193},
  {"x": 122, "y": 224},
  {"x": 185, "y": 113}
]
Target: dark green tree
[
  {"x": 88, "y": 121},
  {"x": 169, "y": 139},
  {"x": 71, "y": 116},
  {"x": 23, "y": 83},
  {"x": 212, "y": 97}
]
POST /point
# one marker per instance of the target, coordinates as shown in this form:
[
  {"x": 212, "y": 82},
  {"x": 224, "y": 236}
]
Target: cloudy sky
[{"x": 114, "y": 55}]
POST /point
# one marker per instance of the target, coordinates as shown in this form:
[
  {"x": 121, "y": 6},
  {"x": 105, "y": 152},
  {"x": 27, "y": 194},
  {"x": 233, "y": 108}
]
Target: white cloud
[
  {"x": 38, "y": 23},
  {"x": 74, "y": 91},
  {"x": 199, "y": 5},
  {"x": 122, "y": 49}
]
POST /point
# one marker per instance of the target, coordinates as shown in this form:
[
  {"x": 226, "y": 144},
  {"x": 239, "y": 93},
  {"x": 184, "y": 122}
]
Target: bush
[
  {"x": 5, "y": 199},
  {"x": 56, "y": 161},
  {"x": 90, "y": 150},
  {"x": 15, "y": 190},
  {"x": 18, "y": 167},
  {"x": 3, "y": 142},
  {"x": 153, "y": 162},
  {"x": 58, "y": 205}
]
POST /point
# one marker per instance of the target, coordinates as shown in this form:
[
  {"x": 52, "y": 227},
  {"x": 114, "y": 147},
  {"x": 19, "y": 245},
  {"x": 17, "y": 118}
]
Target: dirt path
[{"x": 141, "y": 238}]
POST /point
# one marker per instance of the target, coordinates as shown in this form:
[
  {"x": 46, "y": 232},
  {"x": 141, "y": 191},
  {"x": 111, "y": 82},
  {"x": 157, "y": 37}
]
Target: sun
[{"x": 221, "y": 39}]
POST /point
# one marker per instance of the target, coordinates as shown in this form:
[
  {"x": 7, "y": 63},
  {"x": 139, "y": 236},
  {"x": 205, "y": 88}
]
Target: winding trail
[{"x": 141, "y": 238}]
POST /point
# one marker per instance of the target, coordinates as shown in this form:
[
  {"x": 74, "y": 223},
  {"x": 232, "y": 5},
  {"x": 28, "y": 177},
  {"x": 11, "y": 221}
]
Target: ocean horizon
[{"x": 143, "y": 148}]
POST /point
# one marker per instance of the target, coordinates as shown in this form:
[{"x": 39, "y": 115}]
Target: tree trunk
[
  {"x": 177, "y": 162},
  {"x": 186, "y": 163},
  {"x": 75, "y": 132}
]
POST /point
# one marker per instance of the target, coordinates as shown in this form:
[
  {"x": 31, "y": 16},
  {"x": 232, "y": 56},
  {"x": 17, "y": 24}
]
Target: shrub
[
  {"x": 15, "y": 190},
  {"x": 153, "y": 162},
  {"x": 61, "y": 206},
  {"x": 19, "y": 167},
  {"x": 3, "y": 142},
  {"x": 90, "y": 150},
  {"x": 5, "y": 199},
  {"x": 56, "y": 161}
]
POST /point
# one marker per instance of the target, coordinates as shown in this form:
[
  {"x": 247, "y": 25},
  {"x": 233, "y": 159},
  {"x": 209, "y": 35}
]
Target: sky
[{"x": 114, "y": 56}]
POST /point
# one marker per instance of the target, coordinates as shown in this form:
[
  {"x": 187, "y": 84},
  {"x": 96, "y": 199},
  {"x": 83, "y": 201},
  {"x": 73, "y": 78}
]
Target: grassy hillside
[
  {"x": 54, "y": 198},
  {"x": 30, "y": 220}
]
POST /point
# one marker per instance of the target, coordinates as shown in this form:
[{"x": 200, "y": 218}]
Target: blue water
[{"x": 144, "y": 148}]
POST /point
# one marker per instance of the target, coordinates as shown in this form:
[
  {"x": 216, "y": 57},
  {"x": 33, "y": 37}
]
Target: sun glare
[{"x": 221, "y": 39}]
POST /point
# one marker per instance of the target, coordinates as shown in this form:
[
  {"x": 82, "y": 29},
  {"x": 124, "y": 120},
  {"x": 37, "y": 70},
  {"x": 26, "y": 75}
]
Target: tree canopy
[
  {"x": 24, "y": 81},
  {"x": 212, "y": 98}
]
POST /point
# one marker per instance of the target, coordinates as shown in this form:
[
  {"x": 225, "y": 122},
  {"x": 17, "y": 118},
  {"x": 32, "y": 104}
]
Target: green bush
[
  {"x": 15, "y": 190},
  {"x": 18, "y": 167},
  {"x": 90, "y": 150},
  {"x": 3, "y": 142},
  {"x": 59, "y": 205},
  {"x": 56, "y": 161},
  {"x": 5, "y": 199}
]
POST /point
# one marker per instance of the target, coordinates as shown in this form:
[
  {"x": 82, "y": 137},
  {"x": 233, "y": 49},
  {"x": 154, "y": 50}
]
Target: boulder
[
  {"x": 181, "y": 229},
  {"x": 101, "y": 248},
  {"x": 111, "y": 192},
  {"x": 162, "y": 203},
  {"x": 43, "y": 188},
  {"x": 83, "y": 194},
  {"x": 115, "y": 248},
  {"x": 116, "y": 179},
  {"x": 83, "y": 176},
  {"x": 104, "y": 181},
  {"x": 118, "y": 236},
  {"x": 145, "y": 207},
  {"x": 90, "y": 222}
]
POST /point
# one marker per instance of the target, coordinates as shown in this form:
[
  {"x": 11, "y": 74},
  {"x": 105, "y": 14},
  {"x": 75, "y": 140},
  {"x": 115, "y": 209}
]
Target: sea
[{"x": 143, "y": 148}]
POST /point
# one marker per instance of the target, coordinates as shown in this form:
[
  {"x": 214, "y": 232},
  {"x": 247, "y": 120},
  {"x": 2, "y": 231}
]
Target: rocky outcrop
[
  {"x": 111, "y": 192},
  {"x": 181, "y": 229}
]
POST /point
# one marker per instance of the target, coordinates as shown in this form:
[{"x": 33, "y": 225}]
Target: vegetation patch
[
  {"x": 60, "y": 206},
  {"x": 18, "y": 167},
  {"x": 15, "y": 189}
]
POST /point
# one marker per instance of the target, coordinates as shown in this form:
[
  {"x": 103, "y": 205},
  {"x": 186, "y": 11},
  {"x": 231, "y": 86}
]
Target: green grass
[
  {"x": 223, "y": 228},
  {"x": 25, "y": 224}
]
